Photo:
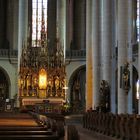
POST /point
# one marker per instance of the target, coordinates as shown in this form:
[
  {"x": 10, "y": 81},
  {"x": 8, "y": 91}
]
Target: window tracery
[{"x": 37, "y": 6}]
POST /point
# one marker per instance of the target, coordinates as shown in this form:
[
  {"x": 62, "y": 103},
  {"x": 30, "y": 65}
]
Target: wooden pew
[
  {"x": 19, "y": 132},
  {"x": 72, "y": 133},
  {"x": 16, "y": 128},
  {"x": 28, "y": 137}
]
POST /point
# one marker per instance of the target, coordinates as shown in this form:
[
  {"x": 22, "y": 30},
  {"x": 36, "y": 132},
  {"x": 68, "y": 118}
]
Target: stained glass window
[{"x": 39, "y": 7}]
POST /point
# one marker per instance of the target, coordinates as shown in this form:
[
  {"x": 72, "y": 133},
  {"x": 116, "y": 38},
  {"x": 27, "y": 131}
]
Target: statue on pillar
[
  {"x": 104, "y": 104},
  {"x": 126, "y": 77},
  {"x": 76, "y": 97}
]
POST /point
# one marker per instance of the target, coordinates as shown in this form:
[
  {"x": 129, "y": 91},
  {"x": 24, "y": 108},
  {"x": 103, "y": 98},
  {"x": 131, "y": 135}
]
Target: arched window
[{"x": 39, "y": 7}]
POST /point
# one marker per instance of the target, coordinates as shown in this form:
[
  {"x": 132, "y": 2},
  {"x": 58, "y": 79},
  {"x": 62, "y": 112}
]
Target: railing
[
  {"x": 8, "y": 53},
  {"x": 70, "y": 54},
  {"x": 75, "y": 54}
]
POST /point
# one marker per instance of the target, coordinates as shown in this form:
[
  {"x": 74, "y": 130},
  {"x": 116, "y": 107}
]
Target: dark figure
[
  {"x": 104, "y": 97},
  {"x": 126, "y": 77}
]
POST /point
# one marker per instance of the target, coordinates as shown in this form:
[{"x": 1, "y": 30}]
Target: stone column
[
  {"x": 122, "y": 51},
  {"x": 106, "y": 39},
  {"x": 139, "y": 78},
  {"x": 10, "y": 22},
  {"x": 113, "y": 88},
  {"x": 69, "y": 24},
  {"x": 3, "y": 24},
  {"x": 95, "y": 51},
  {"x": 51, "y": 24},
  {"x": 17, "y": 18},
  {"x": 139, "y": 74},
  {"x": 130, "y": 54},
  {"x": 21, "y": 26},
  {"x": 79, "y": 25},
  {"x": 89, "y": 54},
  {"x": 61, "y": 22},
  {"x": 139, "y": 63}
]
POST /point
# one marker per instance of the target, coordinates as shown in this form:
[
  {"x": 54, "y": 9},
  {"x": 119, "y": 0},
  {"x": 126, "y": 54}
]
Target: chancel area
[{"x": 69, "y": 69}]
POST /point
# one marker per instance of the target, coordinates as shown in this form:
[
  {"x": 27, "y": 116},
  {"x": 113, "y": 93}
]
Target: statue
[
  {"x": 104, "y": 96},
  {"x": 126, "y": 77}
]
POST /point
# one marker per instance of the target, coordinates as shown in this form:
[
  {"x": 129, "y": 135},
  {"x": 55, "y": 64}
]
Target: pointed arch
[{"x": 77, "y": 89}]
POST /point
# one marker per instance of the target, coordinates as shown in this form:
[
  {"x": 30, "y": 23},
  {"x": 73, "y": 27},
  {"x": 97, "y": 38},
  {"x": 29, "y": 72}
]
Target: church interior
[{"x": 69, "y": 69}]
